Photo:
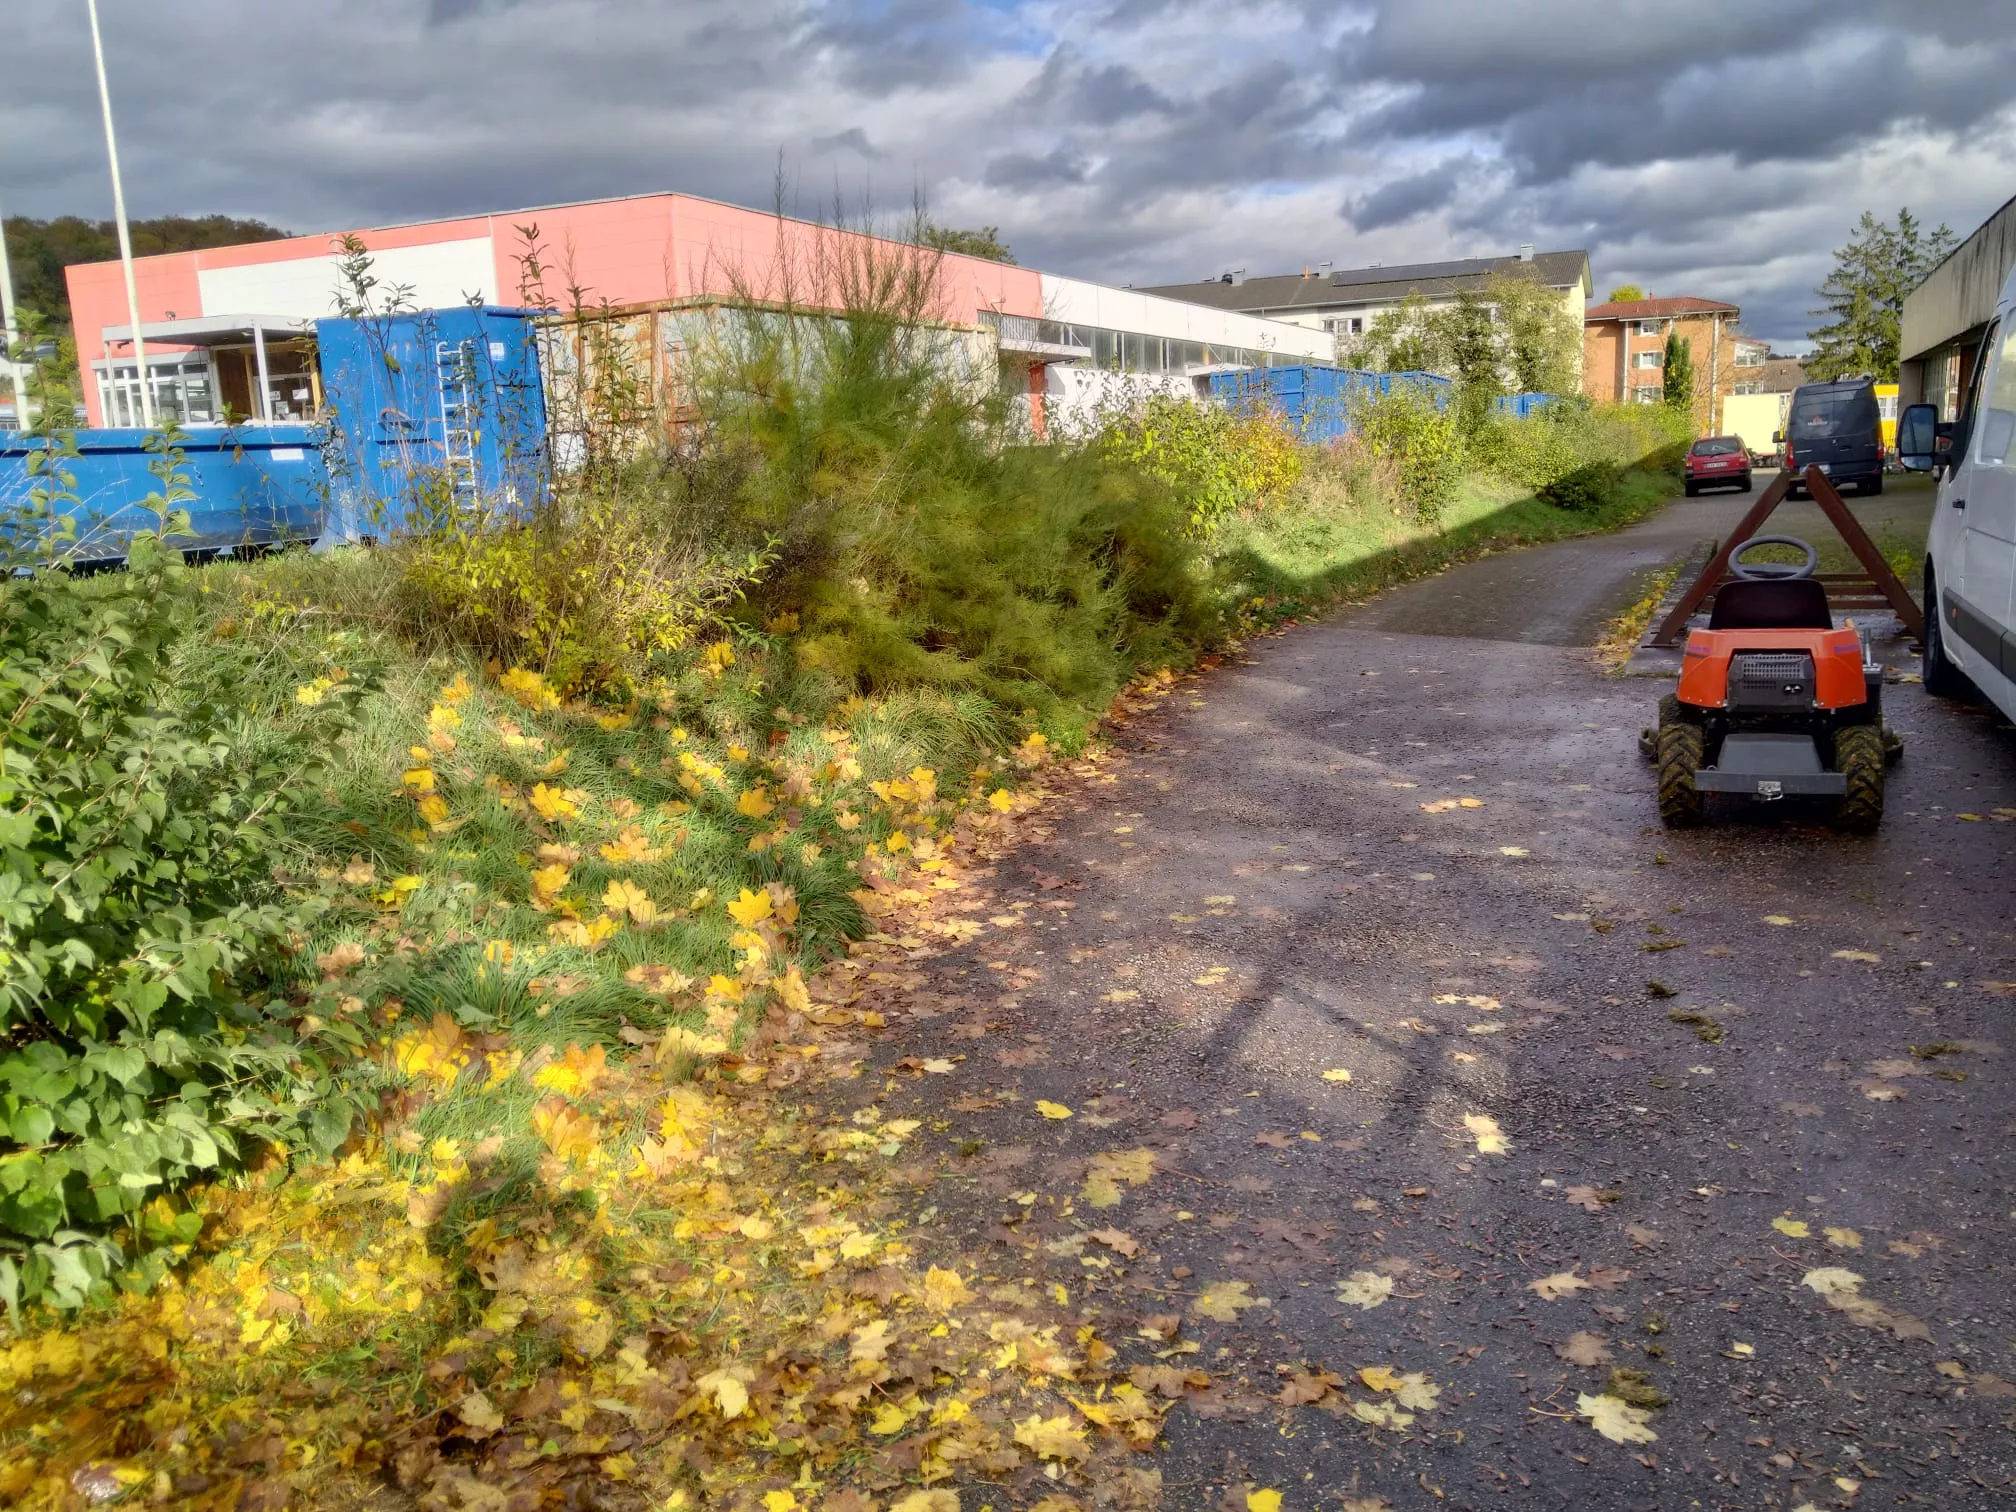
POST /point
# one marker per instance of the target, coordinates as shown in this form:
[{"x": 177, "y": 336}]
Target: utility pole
[
  {"x": 125, "y": 232},
  {"x": 10, "y": 332}
]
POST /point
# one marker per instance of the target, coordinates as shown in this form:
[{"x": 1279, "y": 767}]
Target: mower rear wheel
[
  {"x": 1859, "y": 757},
  {"x": 1681, "y": 747}
]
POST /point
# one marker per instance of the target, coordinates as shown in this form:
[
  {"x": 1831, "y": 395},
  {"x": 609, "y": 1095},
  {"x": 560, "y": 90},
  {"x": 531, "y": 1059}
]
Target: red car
[{"x": 1718, "y": 462}]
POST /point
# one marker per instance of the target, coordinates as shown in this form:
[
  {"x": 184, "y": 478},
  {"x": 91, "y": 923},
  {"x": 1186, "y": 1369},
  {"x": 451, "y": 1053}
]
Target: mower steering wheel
[{"x": 1773, "y": 571}]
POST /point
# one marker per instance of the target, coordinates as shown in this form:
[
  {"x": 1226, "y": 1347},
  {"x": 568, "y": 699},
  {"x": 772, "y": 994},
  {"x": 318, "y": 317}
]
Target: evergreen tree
[
  {"x": 1678, "y": 373},
  {"x": 985, "y": 242},
  {"x": 1865, "y": 296}
]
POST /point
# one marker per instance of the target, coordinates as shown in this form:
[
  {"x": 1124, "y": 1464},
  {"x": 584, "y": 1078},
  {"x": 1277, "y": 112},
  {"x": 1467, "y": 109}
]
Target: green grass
[{"x": 1329, "y": 544}]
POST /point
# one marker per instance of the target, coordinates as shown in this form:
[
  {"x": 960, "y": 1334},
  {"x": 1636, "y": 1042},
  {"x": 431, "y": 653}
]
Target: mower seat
[{"x": 1771, "y": 604}]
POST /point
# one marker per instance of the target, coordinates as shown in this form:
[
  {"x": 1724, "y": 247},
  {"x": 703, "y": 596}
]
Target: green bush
[
  {"x": 1573, "y": 453},
  {"x": 1219, "y": 458},
  {"x": 1421, "y": 439},
  {"x": 139, "y": 917}
]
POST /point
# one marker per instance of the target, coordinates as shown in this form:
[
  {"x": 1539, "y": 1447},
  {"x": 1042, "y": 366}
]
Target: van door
[
  {"x": 1991, "y": 492},
  {"x": 1983, "y": 489}
]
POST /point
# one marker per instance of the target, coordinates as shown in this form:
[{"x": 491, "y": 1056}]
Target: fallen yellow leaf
[{"x": 1053, "y": 1110}]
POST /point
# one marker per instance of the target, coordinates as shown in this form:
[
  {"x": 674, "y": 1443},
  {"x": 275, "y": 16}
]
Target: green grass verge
[{"x": 1324, "y": 548}]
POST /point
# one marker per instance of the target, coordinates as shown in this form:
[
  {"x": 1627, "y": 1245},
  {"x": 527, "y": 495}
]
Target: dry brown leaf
[
  {"x": 1560, "y": 1284},
  {"x": 1585, "y": 1348}
]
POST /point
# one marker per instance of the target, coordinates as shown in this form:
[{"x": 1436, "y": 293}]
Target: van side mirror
[
  {"x": 1917, "y": 434},
  {"x": 1777, "y": 438}
]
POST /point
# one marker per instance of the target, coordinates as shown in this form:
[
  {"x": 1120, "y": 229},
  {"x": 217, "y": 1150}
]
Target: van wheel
[
  {"x": 1872, "y": 485},
  {"x": 1858, "y": 756},
  {"x": 1941, "y": 678},
  {"x": 1681, "y": 747},
  {"x": 1692, "y": 489}
]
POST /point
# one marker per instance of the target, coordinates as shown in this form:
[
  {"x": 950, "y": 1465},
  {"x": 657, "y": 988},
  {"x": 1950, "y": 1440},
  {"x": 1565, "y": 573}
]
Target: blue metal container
[
  {"x": 1316, "y": 400},
  {"x": 254, "y": 485},
  {"x": 1522, "y": 405},
  {"x": 432, "y": 413}
]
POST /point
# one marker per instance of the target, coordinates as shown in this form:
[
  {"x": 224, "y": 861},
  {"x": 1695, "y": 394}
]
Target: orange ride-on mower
[{"x": 1774, "y": 701}]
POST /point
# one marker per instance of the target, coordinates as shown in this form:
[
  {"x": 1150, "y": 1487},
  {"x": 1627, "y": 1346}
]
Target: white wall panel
[
  {"x": 1081, "y": 303},
  {"x": 442, "y": 274}
]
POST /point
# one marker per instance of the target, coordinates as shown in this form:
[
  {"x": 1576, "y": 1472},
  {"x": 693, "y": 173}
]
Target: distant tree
[
  {"x": 1476, "y": 358},
  {"x": 40, "y": 250},
  {"x": 1403, "y": 339},
  {"x": 1623, "y": 292},
  {"x": 985, "y": 242},
  {"x": 1540, "y": 341},
  {"x": 1678, "y": 365},
  {"x": 1865, "y": 296}
]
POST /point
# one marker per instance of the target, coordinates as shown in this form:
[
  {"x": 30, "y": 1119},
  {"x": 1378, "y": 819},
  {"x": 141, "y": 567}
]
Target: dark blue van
[{"x": 1839, "y": 427}]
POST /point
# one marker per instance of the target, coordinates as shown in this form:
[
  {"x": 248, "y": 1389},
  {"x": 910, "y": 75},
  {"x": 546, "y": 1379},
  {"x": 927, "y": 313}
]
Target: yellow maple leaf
[
  {"x": 1263, "y": 1501},
  {"x": 1225, "y": 1300},
  {"x": 548, "y": 880},
  {"x": 1056, "y": 1438},
  {"x": 935, "y": 1500},
  {"x": 568, "y": 1133},
  {"x": 889, "y": 1418},
  {"x": 1380, "y": 1377},
  {"x": 629, "y": 846},
  {"x": 419, "y": 779},
  {"x": 529, "y": 689},
  {"x": 1381, "y": 1414},
  {"x": 944, "y": 1290},
  {"x": 754, "y": 803},
  {"x": 613, "y": 721},
  {"x": 434, "y": 808},
  {"x": 730, "y": 1394},
  {"x": 1791, "y": 1228},
  {"x": 751, "y": 908},
  {"x": 1844, "y": 1238},
  {"x": 550, "y": 802},
  {"x": 1337, "y": 1074},
  {"x": 1615, "y": 1419},
  {"x": 1364, "y": 1289},
  {"x": 1001, "y": 799},
  {"x": 575, "y": 1073},
  {"x": 1053, "y": 1110},
  {"x": 629, "y": 898},
  {"x": 1491, "y": 1139}
]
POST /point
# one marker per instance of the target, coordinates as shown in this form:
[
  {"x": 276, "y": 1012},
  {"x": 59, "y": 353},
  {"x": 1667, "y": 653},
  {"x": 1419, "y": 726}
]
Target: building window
[
  {"x": 1747, "y": 388},
  {"x": 1645, "y": 395},
  {"x": 1750, "y": 356},
  {"x": 1651, "y": 328},
  {"x": 1647, "y": 359},
  {"x": 1346, "y": 325}
]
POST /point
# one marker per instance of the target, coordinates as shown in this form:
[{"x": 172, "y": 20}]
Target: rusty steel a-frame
[{"x": 1877, "y": 586}]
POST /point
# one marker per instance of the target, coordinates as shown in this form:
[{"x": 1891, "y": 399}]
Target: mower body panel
[
  {"x": 1770, "y": 766},
  {"x": 1719, "y": 666}
]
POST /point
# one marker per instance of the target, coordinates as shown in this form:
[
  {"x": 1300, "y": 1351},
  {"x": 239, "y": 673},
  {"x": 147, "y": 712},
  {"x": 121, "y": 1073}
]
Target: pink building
[{"x": 222, "y": 326}]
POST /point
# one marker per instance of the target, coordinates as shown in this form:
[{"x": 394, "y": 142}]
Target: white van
[{"x": 1970, "y": 552}]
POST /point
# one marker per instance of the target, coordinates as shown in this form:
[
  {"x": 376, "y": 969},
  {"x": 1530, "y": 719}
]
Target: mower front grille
[{"x": 1761, "y": 681}]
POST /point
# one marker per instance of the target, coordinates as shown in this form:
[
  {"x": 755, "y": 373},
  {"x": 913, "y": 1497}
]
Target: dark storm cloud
[
  {"x": 853, "y": 139},
  {"x": 1025, "y": 171},
  {"x": 1130, "y": 140},
  {"x": 1085, "y": 95},
  {"x": 1403, "y": 199},
  {"x": 1565, "y": 83}
]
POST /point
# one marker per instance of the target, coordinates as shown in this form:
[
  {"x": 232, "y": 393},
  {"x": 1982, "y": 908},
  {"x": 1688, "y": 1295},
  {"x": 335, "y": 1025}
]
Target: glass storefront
[{"x": 184, "y": 390}]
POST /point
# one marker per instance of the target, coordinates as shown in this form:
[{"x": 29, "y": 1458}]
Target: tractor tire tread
[
  {"x": 1680, "y": 750},
  {"x": 1860, "y": 758}
]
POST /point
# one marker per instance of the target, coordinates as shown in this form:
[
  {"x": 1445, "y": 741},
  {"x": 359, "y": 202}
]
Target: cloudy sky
[{"x": 1714, "y": 147}]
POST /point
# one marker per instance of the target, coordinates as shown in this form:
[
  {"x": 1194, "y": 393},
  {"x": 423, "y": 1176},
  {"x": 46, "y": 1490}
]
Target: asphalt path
[{"x": 1747, "y": 1088}]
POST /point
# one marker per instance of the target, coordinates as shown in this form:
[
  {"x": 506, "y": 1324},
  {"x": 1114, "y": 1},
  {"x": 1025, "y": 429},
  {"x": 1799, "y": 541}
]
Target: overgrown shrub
[
  {"x": 1405, "y": 426},
  {"x": 142, "y": 933},
  {"x": 1218, "y": 458},
  {"x": 1573, "y": 453},
  {"x": 586, "y": 591}
]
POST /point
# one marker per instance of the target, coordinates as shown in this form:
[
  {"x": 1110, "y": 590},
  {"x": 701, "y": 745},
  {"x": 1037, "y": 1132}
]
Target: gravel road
[{"x": 1743, "y": 1092}]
